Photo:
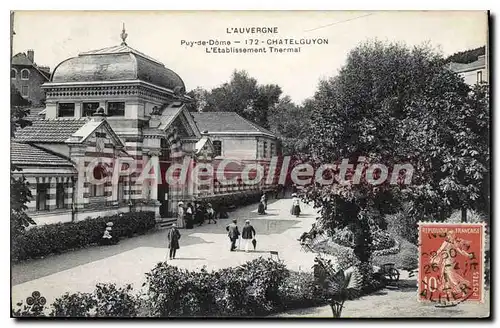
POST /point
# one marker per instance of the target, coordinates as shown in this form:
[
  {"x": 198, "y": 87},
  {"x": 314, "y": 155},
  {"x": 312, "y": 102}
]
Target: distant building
[
  {"x": 115, "y": 109},
  {"x": 472, "y": 73},
  {"x": 27, "y": 77},
  {"x": 236, "y": 137}
]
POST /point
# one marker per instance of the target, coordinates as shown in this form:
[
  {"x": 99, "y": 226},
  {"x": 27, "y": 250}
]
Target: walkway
[{"x": 127, "y": 262}]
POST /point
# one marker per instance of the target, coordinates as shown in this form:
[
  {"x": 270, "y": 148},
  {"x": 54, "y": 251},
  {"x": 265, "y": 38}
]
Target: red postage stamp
[{"x": 451, "y": 262}]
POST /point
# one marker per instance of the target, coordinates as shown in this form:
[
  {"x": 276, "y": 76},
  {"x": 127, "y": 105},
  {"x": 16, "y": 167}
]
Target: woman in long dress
[
  {"x": 295, "y": 205},
  {"x": 262, "y": 206},
  {"x": 180, "y": 215},
  {"x": 452, "y": 281}
]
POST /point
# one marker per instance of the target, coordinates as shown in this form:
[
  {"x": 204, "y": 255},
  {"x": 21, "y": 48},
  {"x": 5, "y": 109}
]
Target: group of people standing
[
  {"x": 247, "y": 234},
  {"x": 189, "y": 215}
]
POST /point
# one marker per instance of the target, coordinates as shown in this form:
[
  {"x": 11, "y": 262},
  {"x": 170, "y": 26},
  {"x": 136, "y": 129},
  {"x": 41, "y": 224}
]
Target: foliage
[
  {"x": 74, "y": 305},
  {"x": 43, "y": 240},
  {"x": 106, "y": 301},
  {"x": 243, "y": 95},
  {"x": 467, "y": 56},
  {"x": 20, "y": 193},
  {"x": 250, "y": 289},
  {"x": 393, "y": 105},
  {"x": 472, "y": 217},
  {"x": 291, "y": 123},
  {"x": 406, "y": 258},
  {"x": 115, "y": 302},
  {"x": 404, "y": 223},
  {"x": 300, "y": 290},
  {"x": 338, "y": 285}
]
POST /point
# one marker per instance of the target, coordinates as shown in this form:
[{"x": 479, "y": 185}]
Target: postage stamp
[{"x": 451, "y": 262}]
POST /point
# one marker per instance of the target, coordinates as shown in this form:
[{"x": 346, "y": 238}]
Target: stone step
[{"x": 165, "y": 222}]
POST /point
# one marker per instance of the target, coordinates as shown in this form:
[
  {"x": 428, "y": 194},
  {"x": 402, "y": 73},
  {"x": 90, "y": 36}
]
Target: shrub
[
  {"x": 175, "y": 292},
  {"x": 56, "y": 238},
  {"x": 115, "y": 302},
  {"x": 250, "y": 289},
  {"x": 107, "y": 300},
  {"x": 406, "y": 258},
  {"x": 380, "y": 239},
  {"x": 74, "y": 305},
  {"x": 300, "y": 290},
  {"x": 472, "y": 217},
  {"x": 404, "y": 223}
]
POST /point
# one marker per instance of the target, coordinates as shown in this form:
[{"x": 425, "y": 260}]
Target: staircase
[{"x": 163, "y": 223}]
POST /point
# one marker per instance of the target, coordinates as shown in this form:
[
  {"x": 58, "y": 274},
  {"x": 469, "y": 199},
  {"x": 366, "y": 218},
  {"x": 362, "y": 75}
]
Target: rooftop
[
  {"x": 459, "y": 67},
  {"x": 117, "y": 63},
  {"x": 50, "y": 130},
  {"x": 227, "y": 122},
  {"x": 26, "y": 154}
]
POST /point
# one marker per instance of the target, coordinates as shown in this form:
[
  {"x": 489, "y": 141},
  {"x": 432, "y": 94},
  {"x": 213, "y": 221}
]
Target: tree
[
  {"x": 243, "y": 95},
  {"x": 291, "y": 123},
  {"x": 20, "y": 193},
  {"x": 393, "y": 105},
  {"x": 199, "y": 102}
]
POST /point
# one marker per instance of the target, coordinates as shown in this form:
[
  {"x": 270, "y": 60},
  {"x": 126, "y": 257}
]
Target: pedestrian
[
  {"x": 173, "y": 237},
  {"x": 295, "y": 205},
  {"x": 248, "y": 234},
  {"x": 210, "y": 213},
  {"x": 199, "y": 215},
  {"x": 233, "y": 233},
  {"x": 180, "y": 215},
  {"x": 264, "y": 200},
  {"x": 261, "y": 209},
  {"x": 189, "y": 216}
]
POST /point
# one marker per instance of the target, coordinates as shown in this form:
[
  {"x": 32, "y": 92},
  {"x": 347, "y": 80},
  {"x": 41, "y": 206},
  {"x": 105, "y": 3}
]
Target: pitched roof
[
  {"x": 227, "y": 122},
  {"x": 22, "y": 60},
  {"x": 50, "y": 130},
  {"x": 26, "y": 154},
  {"x": 460, "y": 67}
]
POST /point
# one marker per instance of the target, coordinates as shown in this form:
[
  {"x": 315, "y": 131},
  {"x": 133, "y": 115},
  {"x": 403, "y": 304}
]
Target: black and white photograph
[{"x": 250, "y": 164}]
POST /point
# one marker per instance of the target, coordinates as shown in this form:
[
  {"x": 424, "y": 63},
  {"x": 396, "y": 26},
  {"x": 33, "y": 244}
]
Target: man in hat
[
  {"x": 173, "y": 237},
  {"x": 248, "y": 234},
  {"x": 233, "y": 233}
]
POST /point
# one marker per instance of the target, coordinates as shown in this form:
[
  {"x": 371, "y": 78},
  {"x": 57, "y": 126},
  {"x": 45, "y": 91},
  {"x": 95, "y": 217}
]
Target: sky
[{"x": 58, "y": 35}]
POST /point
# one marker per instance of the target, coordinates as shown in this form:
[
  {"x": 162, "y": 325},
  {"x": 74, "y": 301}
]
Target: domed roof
[{"x": 117, "y": 63}]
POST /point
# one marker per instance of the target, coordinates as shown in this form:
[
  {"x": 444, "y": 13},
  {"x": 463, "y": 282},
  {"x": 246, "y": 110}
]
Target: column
[{"x": 52, "y": 193}]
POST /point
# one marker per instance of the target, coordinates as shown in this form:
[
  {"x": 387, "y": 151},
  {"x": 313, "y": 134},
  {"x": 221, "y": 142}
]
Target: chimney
[{"x": 31, "y": 55}]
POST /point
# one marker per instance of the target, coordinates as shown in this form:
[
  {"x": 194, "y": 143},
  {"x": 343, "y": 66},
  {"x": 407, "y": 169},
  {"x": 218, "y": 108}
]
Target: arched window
[
  {"x": 25, "y": 74},
  {"x": 13, "y": 73}
]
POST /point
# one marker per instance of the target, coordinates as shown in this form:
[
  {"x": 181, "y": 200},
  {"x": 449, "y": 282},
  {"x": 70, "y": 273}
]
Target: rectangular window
[
  {"x": 66, "y": 110},
  {"x": 42, "y": 190},
  {"x": 479, "y": 77},
  {"x": 116, "y": 109},
  {"x": 217, "y": 147},
  {"x": 24, "y": 91},
  {"x": 121, "y": 194},
  {"x": 265, "y": 150},
  {"x": 273, "y": 149},
  {"x": 97, "y": 190},
  {"x": 60, "y": 195},
  {"x": 88, "y": 109}
]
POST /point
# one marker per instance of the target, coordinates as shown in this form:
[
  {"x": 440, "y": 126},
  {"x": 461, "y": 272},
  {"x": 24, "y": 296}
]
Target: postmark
[{"x": 451, "y": 263}]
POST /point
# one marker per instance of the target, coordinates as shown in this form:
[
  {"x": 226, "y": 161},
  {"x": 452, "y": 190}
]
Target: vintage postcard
[
  {"x": 451, "y": 266},
  {"x": 250, "y": 164}
]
